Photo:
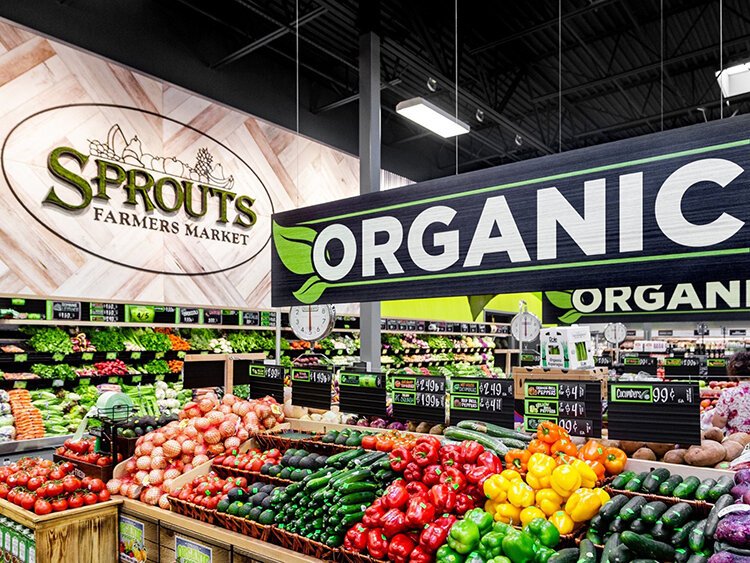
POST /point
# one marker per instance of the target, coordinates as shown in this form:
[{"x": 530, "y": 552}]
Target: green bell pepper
[
  {"x": 446, "y": 554},
  {"x": 519, "y": 547},
  {"x": 464, "y": 536},
  {"x": 482, "y": 519},
  {"x": 492, "y": 544},
  {"x": 502, "y": 527},
  {"x": 474, "y": 557},
  {"x": 544, "y": 531},
  {"x": 543, "y": 554},
  {"x": 499, "y": 559}
]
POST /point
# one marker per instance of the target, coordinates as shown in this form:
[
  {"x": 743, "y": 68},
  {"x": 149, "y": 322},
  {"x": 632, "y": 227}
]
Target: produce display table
[
  {"x": 162, "y": 527},
  {"x": 88, "y": 533}
]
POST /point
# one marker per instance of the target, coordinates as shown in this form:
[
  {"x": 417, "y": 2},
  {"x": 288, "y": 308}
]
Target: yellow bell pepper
[
  {"x": 583, "y": 505},
  {"x": 540, "y": 470},
  {"x": 530, "y": 513},
  {"x": 490, "y": 506},
  {"x": 562, "y": 522},
  {"x": 603, "y": 495},
  {"x": 588, "y": 476},
  {"x": 565, "y": 480},
  {"x": 520, "y": 494},
  {"x": 496, "y": 488},
  {"x": 548, "y": 501},
  {"x": 506, "y": 512},
  {"x": 511, "y": 475}
]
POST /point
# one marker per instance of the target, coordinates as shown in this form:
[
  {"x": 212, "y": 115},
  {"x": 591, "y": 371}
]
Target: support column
[{"x": 369, "y": 164}]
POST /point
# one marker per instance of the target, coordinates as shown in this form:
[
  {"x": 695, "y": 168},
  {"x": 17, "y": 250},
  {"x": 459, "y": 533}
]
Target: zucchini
[
  {"x": 681, "y": 555},
  {"x": 598, "y": 523},
  {"x": 635, "y": 484},
  {"x": 351, "y": 476},
  {"x": 325, "y": 472},
  {"x": 366, "y": 460},
  {"x": 697, "y": 558},
  {"x": 357, "y": 487},
  {"x": 594, "y": 537},
  {"x": 697, "y": 538},
  {"x": 613, "y": 507},
  {"x": 340, "y": 460},
  {"x": 358, "y": 498},
  {"x": 722, "y": 487},
  {"x": 701, "y": 493},
  {"x": 622, "y": 479},
  {"x": 494, "y": 430},
  {"x": 587, "y": 552},
  {"x": 621, "y": 554},
  {"x": 667, "y": 487},
  {"x": 645, "y": 547},
  {"x": 489, "y": 443},
  {"x": 350, "y": 519},
  {"x": 632, "y": 509},
  {"x": 661, "y": 531},
  {"x": 686, "y": 489},
  {"x": 677, "y": 515},
  {"x": 652, "y": 511},
  {"x": 568, "y": 555},
  {"x": 681, "y": 535},
  {"x": 609, "y": 547},
  {"x": 618, "y": 525},
  {"x": 654, "y": 479},
  {"x": 713, "y": 517},
  {"x": 639, "y": 526}
]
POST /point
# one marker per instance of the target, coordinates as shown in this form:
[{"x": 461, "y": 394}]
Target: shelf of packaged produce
[
  {"x": 412, "y": 351},
  {"x": 20, "y": 446},
  {"x": 128, "y": 379},
  {"x": 18, "y": 322},
  {"x": 89, "y": 357}
]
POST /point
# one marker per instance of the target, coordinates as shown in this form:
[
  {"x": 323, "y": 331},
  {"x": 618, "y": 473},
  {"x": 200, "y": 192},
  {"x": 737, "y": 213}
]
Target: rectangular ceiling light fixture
[
  {"x": 734, "y": 80},
  {"x": 432, "y": 117}
]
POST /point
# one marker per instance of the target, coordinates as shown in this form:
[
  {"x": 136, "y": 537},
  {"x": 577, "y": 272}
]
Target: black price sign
[
  {"x": 106, "y": 312},
  {"x": 737, "y": 332},
  {"x": 418, "y": 397},
  {"x": 633, "y": 363},
  {"x": 64, "y": 310},
  {"x": 311, "y": 387},
  {"x": 478, "y": 398},
  {"x": 717, "y": 367},
  {"x": 574, "y": 405},
  {"x": 529, "y": 359},
  {"x": 203, "y": 374},
  {"x": 681, "y": 367},
  {"x": 362, "y": 393},
  {"x": 190, "y": 316},
  {"x": 637, "y": 411},
  {"x": 603, "y": 361},
  {"x": 230, "y": 317},
  {"x": 251, "y": 318},
  {"x": 263, "y": 379},
  {"x": 267, "y": 318},
  {"x": 212, "y": 316}
]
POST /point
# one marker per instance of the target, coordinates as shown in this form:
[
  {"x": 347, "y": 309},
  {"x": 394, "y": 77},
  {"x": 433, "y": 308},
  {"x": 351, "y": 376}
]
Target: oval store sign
[{"x": 112, "y": 180}]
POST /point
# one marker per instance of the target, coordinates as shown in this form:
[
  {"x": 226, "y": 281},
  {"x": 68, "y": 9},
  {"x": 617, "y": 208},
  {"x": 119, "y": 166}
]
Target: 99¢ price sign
[
  {"x": 418, "y": 397},
  {"x": 574, "y": 405},
  {"x": 485, "y": 399}
]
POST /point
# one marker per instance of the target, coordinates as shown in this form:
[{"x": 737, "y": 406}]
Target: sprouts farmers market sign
[
  {"x": 117, "y": 181},
  {"x": 664, "y": 208}
]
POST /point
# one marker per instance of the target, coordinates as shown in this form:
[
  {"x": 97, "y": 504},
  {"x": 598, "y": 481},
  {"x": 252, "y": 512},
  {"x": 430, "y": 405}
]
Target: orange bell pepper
[
  {"x": 615, "y": 460},
  {"x": 598, "y": 468},
  {"x": 592, "y": 450},
  {"x": 548, "y": 432},
  {"x": 517, "y": 459},
  {"x": 564, "y": 459},
  {"x": 538, "y": 447},
  {"x": 564, "y": 446}
]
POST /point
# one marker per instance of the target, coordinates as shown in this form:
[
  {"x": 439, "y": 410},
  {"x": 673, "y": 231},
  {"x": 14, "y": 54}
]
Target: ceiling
[{"x": 242, "y": 53}]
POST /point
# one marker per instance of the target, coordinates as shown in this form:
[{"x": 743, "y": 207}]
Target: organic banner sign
[
  {"x": 710, "y": 300},
  {"x": 664, "y": 208},
  {"x": 132, "y": 541}
]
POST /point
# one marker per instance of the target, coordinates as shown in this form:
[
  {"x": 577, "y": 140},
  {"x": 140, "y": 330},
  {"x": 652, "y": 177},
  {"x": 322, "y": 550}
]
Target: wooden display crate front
[
  {"x": 150, "y": 533},
  {"x": 168, "y": 533},
  {"x": 522, "y": 374},
  {"x": 89, "y": 469}
]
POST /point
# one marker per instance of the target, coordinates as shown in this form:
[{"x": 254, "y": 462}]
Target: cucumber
[
  {"x": 681, "y": 555},
  {"x": 594, "y": 537},
  {"x": 639, "y": 526},
  {"x": 681, "y": 535},
  {"x": 652, "y": 511},
  {"x": 621, "y": 554},
  {"x": 490, "y": 443},
  {"x": 722, "y": 487},
  {"x": 494, "y": 430},
  {"x": 697, "y": 558},
  {"x": 667, "y": 487},
  {"x": 613, "y": 507},
  {"x": 713, "y": 517},
  {"x": 618, "y": 525},
  {"x": 568, "y": 555},
  {"x": 358, "y": 498},
  {"x": 654, "y": 479},
  {"x": 622, "y": 479},
  {"x": 609, "y": 547},
  {"x": 661, "y": 531},
  {"x": 587, "y": 552},
  {"x": 350, "y": 519},
  {"x": 697, "y": 538},
  {"x": 341, "y": 459},
  {"x": 357, "y": 487},
  {"x": 325, "y": 472},
  {"x": 351, "y": 476},
  {"x": 645, "y": 547},
  {"x": 686, "y": 489},
  {"x": 677, "y": 515},
  {"x": 511, "y": 443},
  {"x": 598, "y": 523},
  {"x": 635, "y": 484},
  {"x": 701, "y": 493},
  {"x": 632, "y": 509}
]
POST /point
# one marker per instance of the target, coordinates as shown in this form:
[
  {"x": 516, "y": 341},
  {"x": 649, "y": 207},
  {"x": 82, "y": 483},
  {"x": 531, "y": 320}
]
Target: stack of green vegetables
[
  {"x": 54, "y": 371},
  {"x": 52, "y": 340},
  {"x": 62, "y": 410},
  {"x": 144, "y": 397}
]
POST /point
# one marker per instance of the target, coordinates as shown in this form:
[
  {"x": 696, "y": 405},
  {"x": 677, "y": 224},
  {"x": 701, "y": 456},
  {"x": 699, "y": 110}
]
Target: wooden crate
[
  {"x": 150, "y": 533},
  {"x": 523, "y": 374},
  {"x": 168, "y": 534},
  {"x": 89, "y": 469}
]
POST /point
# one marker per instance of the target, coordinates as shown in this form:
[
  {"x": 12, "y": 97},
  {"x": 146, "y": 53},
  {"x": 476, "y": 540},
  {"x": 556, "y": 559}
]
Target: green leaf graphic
[
  {"x": 294, "y": 246},
  {"x": 570, "y": 317},
  {"x": 560, "y": 299},
  {"x": 311, "y": 290}
]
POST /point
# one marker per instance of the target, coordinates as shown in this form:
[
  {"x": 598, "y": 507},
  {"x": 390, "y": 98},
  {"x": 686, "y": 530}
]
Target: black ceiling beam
[
  {"x": 353, "y": 97},
  {"x": 265, "y": 40}
]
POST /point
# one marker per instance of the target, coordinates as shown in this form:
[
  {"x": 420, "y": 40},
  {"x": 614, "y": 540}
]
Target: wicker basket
[
  {"x": 701, "y": 506},
  {"x": 192, "y": 510},
  {"x": 347, "y": 556},
  {"x": 277, "y": 439},
  {"x": 243, "y": 526},
  {"x": 227, "y": 472},
  {"x": 300, "y": 544}
]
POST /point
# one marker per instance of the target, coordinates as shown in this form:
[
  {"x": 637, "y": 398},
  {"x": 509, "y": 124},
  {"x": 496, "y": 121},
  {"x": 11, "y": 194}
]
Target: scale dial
[
  {"x": 615, "y": 333},
  {"x": 312, "y": 322},
  {"x": 525, "y": 326}
]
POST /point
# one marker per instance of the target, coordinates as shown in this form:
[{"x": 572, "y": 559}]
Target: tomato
[
  {"x": 384, "y": 444},
  {"x": 54, "y": 488},
  {"x": 42, "y": 507},
  {"x": 184, "y": 494},
  {"x": 67, "y": 467},
  {"x": 104, "y": 495},
  {"x": 27, "y": 501},
  {"x": 40, "y": 471},
  {"x": 41, "y": 492},
  {"x": 75, "y": 500},
  {"x": 104, "y": 461},
  {"x": 59, "y": 504},
  {"x": 57, "y": 474},
  {"x": 85, "y": 481},
  {"x": 4, "y": 490},
  {"x": 12, "y": 495},
  {"x": 218, "y": 460},
  {"x": 90, "y": 498},
  {"x": 71, "y": 483},
  {"x": 34, "y": 483},
  {"x": 96, "y": 485},
  {"x": 12, "y": 480},
  {"x": 369, "y": 442},
  {"x": 274, "y": 452}
]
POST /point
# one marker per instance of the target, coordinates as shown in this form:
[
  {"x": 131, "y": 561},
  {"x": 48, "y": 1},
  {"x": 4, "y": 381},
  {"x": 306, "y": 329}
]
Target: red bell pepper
[
  {"x": 454, "y": 478},
  {"x": 400, "y": 548},
  {"x": 419, "y": 555},
  {"x": 429, "y": 439},
  {"x": 413, "y": 472},
  {"x": 435, "y": 534},
  {"x": 374, "y": 513},
  {"x": 416, "y": 488},
  {"x": 476, "y": 492},
  {"x": 451, "y": 455},
  {"x": 464, "y": 503},
  {"x": 431, "y": 475},
  {"x": 357, "y": 537},
  {"x": 396, "y": 495},
  {"x": 420, "y": 511},
  {"x": 377, "y": 543},
  {"x": 400, "y": 458},
  {"x": 490, "y": 460},
  {"x": 471, "y": 450},
  {"x": 394, "y": 522},
  {"x": 443, "y": 497},
  {"x": 478, "y": 474},
  {"x": 425, "y": 453}
]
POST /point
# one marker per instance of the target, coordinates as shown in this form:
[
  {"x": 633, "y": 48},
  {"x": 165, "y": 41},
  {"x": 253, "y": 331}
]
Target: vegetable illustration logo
[
  {"x": 564, "y": 300},
  {"x": 294, "y": 246}
]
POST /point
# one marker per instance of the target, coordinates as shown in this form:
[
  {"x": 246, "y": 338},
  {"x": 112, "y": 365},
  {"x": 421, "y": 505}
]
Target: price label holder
[
  {"x": 481, "y": 398},
  {"x": 189, "y": 315},
  {"x": 63, "y": 310},
  {"x": 416, "y": 397},
  {"x": 87, "y": 356},
  {"x": 362, "y": 393},
  {"x": 203, "y": 373},
  {"x": 668, "y": 413},
  {"x": 574, "y": 405},
  {"x": 603, "y": 361},
  {"x": 311, "y": 387},
  {"x": 263, "y": 379},
  {"x": 20, "y": 357},
  {"x": 716, "y": 367},
  {"x": 635, "y": 364},
  {"x": 679, "y": 368},
  {"x": 111, "y": 356},
  {"x": 105, "y": 312}
]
